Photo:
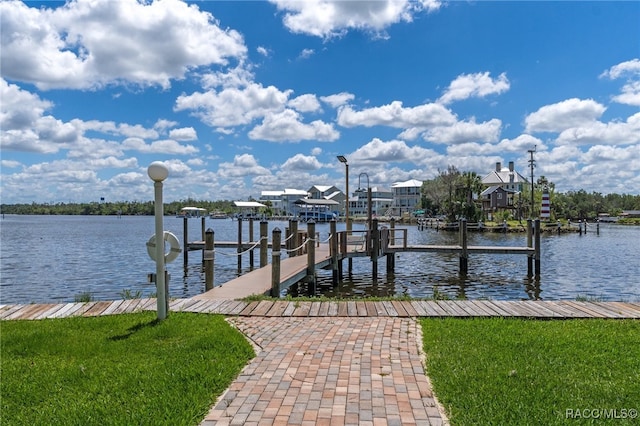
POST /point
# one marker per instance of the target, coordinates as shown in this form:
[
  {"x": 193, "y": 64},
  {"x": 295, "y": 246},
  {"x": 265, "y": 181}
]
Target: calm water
[{"x": 56, "y": 258}]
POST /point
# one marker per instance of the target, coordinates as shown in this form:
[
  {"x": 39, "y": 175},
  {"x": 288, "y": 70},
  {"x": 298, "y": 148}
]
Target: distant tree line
[
  {"x": 456, "y": 194},
  {"x": 126, "y": 208}
]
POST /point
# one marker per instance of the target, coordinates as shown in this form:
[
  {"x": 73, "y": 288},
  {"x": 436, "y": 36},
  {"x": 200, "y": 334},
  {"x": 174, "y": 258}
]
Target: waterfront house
[
  {"x": 504, "y": 187},
  {"x": 381, "y": 202},
  {"x": 406, "y": 197}
]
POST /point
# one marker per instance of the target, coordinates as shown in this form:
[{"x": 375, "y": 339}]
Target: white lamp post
[{"x": 159, "y": 172}]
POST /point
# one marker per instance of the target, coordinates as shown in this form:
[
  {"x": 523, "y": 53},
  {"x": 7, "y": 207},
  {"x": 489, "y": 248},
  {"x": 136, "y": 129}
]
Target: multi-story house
[
  {"x": 406, "y": 197},
  {"x": 504, "y": 187},
  {"x": 381, "y": 201}
]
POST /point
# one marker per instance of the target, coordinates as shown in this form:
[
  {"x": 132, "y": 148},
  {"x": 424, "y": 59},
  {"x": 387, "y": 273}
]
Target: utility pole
[{"x": 532, "y": 165}]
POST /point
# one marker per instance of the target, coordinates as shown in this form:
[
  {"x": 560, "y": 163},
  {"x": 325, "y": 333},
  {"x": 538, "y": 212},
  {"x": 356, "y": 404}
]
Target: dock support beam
[
  {"x": 464, "y": 255},
  {"x": 530, "y": 245},
  {"x": 375, "y": 247},
  {"x": 275, "y": 262},
  {"x": 391, "y": 260},
  {"x": 537, "y": 248},
  {"x": 239, "y": 249},
  {"x": 333, "y": 250},
  {"x": 311, "y": 257},
  {"x": 292, "y": 242},
  {"x": 208, "y": 256},
  {"x": 264, "y": 244},
  {"x": 185, "y": 241},
  {"x": 251, "y": 241},
  {"x": 202, "y": 233}
]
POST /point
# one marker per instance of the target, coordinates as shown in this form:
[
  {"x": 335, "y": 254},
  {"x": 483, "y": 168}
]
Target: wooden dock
[
  {"x": 562, "y": 309},
  {"x": 258, "y": 281}
]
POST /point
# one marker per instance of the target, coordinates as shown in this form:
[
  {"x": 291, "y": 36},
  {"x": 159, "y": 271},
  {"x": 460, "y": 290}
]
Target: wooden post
[
  {"x": 333, "y": 250},
  {"x": 251, "y": 242},
  {"x": 239, "y": 249},
  {"x": 293, "y": 241},
  {"x": 391, "y": 260},
  {"x": 185, "y": 240},
  {"x": 598, "y": 227},
  {"x": 202, "y": 233},
  {"x": 375, "y": 247},
  {"x": 464, "y": 256},
  {"x": 530, "y": 245},
  {"x": 208, "y": 256},
  {"x": 264, "y": 244},
  {"x": 275, "y": 262},
  {"x": 537, "y": 246},
  {"x": 311, "y": 257}
]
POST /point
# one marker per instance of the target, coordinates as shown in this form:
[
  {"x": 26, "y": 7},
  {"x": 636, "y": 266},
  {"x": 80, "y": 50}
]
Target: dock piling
[
  {"x": 239, "y": 249},
  {"x": 529, "y": 245},
  {"x": 537, "y": 248},
  {"x": 251, "y": 240},
  {"x": 208, "y": 256},
  {"x": 333, "y": 250},
  {"x": 311, "y": 257},
  {"x": 185, "y": 241},
  {"x": 275, "y": 262},
  {"x": 264, "y": 244},
  {"x": 464, "y": 256}
]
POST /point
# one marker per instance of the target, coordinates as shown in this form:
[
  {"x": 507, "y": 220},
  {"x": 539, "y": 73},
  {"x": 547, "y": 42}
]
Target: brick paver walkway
[{"x": 330, "y": 371}]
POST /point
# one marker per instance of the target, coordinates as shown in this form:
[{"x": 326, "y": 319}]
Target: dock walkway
[{"x": 332, "y": 362}]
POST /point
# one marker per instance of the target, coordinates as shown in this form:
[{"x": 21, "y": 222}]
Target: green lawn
[
  {"x": 524, "y": 372},
  {"x": 117, "y": 370}
]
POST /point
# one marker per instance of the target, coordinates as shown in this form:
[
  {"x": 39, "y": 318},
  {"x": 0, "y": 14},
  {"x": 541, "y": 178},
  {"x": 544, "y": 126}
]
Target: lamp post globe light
[
  {"x": 159, "y": 172},
  {"x": 343, "y": 160}
]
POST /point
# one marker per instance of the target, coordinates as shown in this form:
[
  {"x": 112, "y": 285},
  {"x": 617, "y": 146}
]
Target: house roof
[
  {"x": 494, "y": 188},
  {"x": 413, "y": 183},
  {"x": 502, "y": 177},
  {"x": 244, "y": 204}
]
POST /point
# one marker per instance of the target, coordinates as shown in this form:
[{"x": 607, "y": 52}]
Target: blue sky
[{"x": 237, "y": 97}]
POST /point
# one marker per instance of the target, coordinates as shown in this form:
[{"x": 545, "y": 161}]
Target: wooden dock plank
[
  {"x": 343, "y": 309},
  {"x": 315, "y": 308},
  {"x": 372, "y": 310},
  {"x": 333, "y": 309},
  {"x": 434, "y": 309},
  {"x": 452, "y": 309},
  {"x": 401, "y": 308},
  {"x": 26, "y": 312},
  {"x": 302, "y": 310},
  {"x": 324, "y": 309},
  {"x": 489, "y": 308},
  {"x": 589, "y": 312},
  {"x": 96, "y": 309},
  {"x": 352, "y": 310},
  {"x": 380, "y": 309},
  {"x": 289, "y": 309},
  {"x": 50, "y": 312},
  {"x": 9, "y": 312},
  {"x": 68, "y": 311},
  {"x": 361, "y": 308},
  {"x": 563, "y": 311},
  {"x": 277, "y": 309},
  {"x": 249, "y": 308},
  {"x": 479, "y": 308},
  {"x": 633, "y": 311},
  {"x": 417, "y": 306},
  {"x": 388, "y": 306}
]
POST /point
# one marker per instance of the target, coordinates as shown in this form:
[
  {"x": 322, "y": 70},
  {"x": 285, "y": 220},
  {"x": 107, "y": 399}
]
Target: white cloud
[
  {"x": 306, "y": 53},
  {"x": 286, "y": 126},
  {"x": 184, "y": 134},
  {"x": 167, "y": 146},
  {"x": 329, "y": 18},
  {"x": 612, "y": 133},
  {"x": 234, "y": 106},
  {"x": 378, "y": 151},
  {"x": 338, "y": 99},
  {"x": 631, "y": 67},
  {"x": 465, "y": 131},
  {"x": 564, "y": 115},
  {"x": 93, "y": 43},
  {"x": 262, "y": 50},
  {"x": 477, "y": 85},
  {"x": 395, "y": 115},
  {"x": 242, "y": 166},
  {"x": 305, "y": 103},
  {"x": 300, "y": 162}
]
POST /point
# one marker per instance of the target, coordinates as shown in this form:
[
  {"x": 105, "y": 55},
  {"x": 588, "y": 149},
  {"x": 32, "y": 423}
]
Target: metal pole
[{"x": 160, "y": 277}]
